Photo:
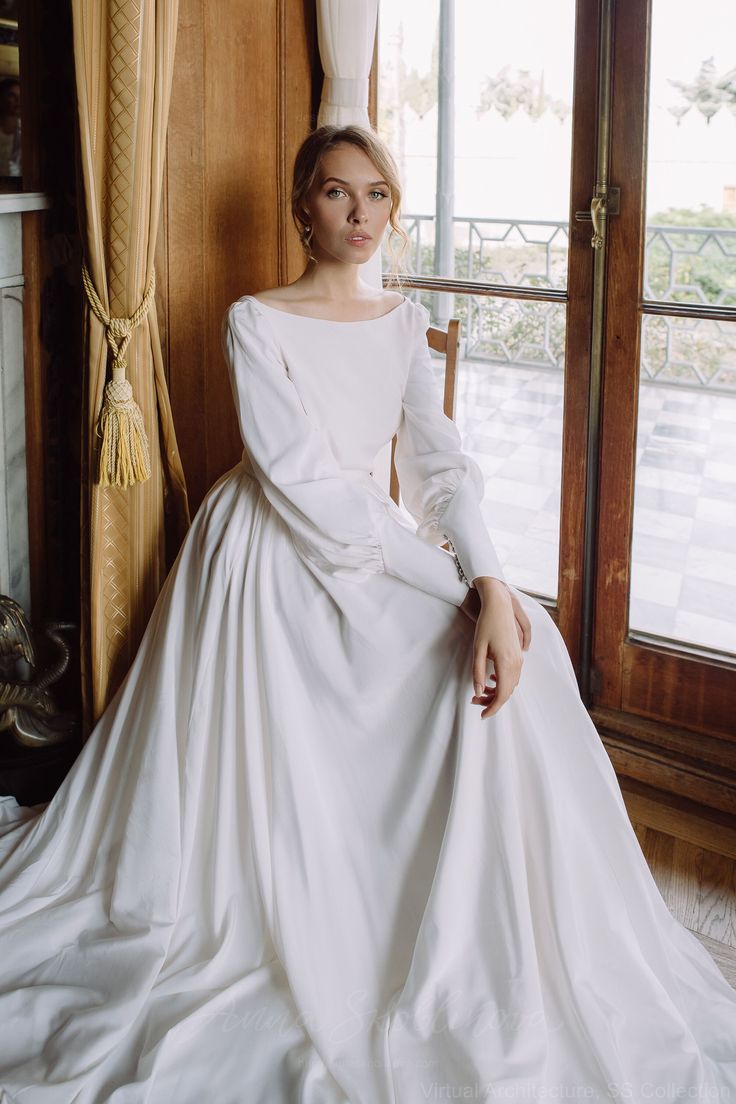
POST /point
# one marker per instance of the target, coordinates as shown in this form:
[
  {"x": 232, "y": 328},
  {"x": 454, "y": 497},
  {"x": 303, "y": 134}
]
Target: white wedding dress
[{"x": 293, "y": 864}]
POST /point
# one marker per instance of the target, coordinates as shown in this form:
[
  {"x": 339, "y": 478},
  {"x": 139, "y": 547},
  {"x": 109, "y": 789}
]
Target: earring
[{"x": 306, "y": 240}]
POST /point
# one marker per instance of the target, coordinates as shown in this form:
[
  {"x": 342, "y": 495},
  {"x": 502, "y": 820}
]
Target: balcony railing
[{"x": 683, "y": 265}]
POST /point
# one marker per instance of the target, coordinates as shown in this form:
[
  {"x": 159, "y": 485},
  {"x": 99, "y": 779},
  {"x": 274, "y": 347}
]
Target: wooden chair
[{"x": 446, "y": 342}]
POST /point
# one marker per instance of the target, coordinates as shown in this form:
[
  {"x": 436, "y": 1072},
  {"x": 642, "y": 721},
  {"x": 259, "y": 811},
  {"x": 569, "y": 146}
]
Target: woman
[{"x": 297, "y": 861}]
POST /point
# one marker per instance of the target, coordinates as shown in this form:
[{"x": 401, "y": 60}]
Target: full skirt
[{"x": 293, "y": 865}]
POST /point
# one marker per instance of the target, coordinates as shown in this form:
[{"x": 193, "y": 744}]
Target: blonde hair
[{"x": 306, "y": 166}]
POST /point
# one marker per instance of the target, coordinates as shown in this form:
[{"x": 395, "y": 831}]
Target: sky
[{"x": 499, "y": 172}]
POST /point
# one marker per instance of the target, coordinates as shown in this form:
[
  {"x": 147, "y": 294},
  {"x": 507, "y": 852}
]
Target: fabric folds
[
  {"x": 441, "y": 484},
  {"x": 340, "y": 520},
  {"x": 292, "y": 864}
]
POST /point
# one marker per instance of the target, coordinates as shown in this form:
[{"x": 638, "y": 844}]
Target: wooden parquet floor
[{"x": 691, "y": 852}]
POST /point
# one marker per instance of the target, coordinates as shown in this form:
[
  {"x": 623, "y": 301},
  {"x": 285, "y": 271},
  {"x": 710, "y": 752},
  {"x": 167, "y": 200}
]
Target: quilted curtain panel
[{"x": 124, "y": 57}]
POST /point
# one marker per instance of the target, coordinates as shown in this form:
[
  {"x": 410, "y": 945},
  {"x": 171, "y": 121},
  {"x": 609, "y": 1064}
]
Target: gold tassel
[
  {"x": 124, "y": 453},
  {"x": 124, "y": 457}
]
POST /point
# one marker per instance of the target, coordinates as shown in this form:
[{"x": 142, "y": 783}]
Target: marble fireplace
[{"x": 14, "y": 563}]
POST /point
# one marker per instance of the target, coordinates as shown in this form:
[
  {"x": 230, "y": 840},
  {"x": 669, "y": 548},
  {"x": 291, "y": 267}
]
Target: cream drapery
[
  {"x": 124, "y": 57},
  {"x": 346, "y": 32}
]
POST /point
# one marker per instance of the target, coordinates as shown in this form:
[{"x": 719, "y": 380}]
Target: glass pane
[
  {"x": 691, "y": 168},
  {"x": 512, "y": 96},
  {"x": 684, "y": 541},
  {"x": 509, "y": 413},
  {"x": 684, "y": 548}
]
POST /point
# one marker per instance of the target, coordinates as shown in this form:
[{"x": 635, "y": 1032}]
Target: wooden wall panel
[{"x": 246, "y": 88}]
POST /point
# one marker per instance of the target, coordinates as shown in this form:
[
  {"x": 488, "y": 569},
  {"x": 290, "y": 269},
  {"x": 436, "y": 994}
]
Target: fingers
[
  {"x": 480, "y": 656},
  {"x": 526, "y": 627},
  {"x": 523, "y": 623},
  {"x": 508, "y": 672},
  {"x": 507, "y": 667},
  {"x": 500, "y": 634},
  {"x": 523, "y": 631}
]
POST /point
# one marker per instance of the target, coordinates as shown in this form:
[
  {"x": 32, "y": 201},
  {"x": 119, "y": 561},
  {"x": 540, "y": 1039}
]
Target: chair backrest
[{"x": 446, "y": 342}]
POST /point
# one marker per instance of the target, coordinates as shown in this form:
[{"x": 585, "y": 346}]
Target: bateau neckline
[{"x": 331, "y": 321}]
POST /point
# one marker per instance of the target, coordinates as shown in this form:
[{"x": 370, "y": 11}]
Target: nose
[{"x": 358, "y": 214}]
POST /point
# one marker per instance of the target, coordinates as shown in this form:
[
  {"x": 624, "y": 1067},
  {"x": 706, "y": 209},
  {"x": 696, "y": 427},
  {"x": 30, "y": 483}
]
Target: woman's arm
[
  {"x": 443, "y": 488},
  {"x": 441, "y": 485},
  {"x": 343, "y": 526}
]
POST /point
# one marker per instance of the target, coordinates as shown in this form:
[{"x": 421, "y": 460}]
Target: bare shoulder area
[{"x": 370, "y": 303}]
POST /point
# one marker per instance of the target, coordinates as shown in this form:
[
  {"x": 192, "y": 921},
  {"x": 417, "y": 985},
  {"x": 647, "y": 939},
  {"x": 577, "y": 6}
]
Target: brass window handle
[{"x": 601, "y": 206}]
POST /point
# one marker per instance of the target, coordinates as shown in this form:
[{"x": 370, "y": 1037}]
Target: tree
[
  {"x": 523, "y": 92},
  {"x": 708, "y": 93}
]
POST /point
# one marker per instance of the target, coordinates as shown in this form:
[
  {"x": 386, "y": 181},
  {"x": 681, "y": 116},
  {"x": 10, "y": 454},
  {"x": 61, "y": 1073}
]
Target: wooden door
[
  {"x": 520, "y": 277},
  {"x": 665, "y": 626},
  {"x": 662, "y": 691}
]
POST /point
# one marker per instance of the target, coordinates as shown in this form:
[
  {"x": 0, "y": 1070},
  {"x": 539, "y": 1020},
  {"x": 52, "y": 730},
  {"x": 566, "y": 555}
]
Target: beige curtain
[
  {"x": 346, "y": 33},
  {"x": 124, "y": 56}
]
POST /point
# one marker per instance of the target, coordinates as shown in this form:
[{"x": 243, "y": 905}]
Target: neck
[{"x": 332, "y": 281}]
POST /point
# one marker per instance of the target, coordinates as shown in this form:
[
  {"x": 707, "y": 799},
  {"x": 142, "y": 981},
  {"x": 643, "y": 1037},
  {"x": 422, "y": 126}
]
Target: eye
[
  {"x": 335, "y": 189},
  {"x": 381, "y": 195}
]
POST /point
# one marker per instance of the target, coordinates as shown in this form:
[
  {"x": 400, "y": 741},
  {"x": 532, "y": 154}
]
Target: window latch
[{"x": 603, "y": 204}]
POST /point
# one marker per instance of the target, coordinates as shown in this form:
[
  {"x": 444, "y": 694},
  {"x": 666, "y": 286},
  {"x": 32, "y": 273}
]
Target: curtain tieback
[
  {"x": 345, "y": 91},
  {"x": 124, "y": 453}
]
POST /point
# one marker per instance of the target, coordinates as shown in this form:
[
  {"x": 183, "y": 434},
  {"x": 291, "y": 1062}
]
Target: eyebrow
[{"x": 339, "y": 181}]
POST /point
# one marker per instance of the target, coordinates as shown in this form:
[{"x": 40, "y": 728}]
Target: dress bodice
[{"x": 349, "y": 376}]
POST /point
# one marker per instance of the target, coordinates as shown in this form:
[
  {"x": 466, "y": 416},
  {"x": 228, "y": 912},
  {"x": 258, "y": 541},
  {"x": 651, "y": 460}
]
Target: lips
[{"x": 359, "y": 237}]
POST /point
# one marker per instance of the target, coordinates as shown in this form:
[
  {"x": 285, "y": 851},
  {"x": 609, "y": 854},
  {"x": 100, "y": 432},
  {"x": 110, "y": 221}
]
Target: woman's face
[{"x": 348, "y": 206}]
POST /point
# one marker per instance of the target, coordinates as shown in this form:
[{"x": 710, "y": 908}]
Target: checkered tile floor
[{"x": 684, "y": 548}]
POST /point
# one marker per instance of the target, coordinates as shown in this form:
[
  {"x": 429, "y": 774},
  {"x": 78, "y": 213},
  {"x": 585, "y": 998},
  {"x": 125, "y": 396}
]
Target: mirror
[{"x": 11, "y": 172}]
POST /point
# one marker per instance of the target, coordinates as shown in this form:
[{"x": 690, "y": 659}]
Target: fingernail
[{"x": 478, "y": 689}]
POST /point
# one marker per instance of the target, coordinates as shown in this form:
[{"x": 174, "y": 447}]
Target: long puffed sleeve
[
  {"x": 441, "y": 485},
  {"x": 341, "y": 522}
]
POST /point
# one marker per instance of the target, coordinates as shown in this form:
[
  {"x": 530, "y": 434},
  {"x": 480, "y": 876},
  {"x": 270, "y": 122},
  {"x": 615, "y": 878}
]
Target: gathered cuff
[
  {"x": 430, "y": 526},
  {"x": 459, "y": 520},
  {"x": 419, "y": 563}
]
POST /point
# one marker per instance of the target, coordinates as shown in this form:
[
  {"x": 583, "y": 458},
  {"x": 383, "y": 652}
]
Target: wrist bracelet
[{"x": 463, "y": 577}]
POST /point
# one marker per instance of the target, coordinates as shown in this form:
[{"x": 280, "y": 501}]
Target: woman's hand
[
  {"x": 502, "y": 633},
  {"x": 471, "y": 605}
]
